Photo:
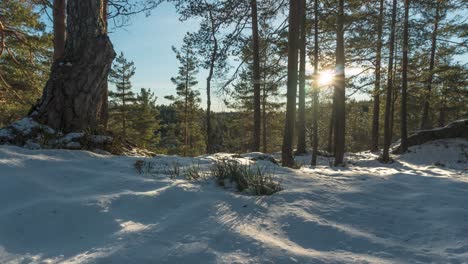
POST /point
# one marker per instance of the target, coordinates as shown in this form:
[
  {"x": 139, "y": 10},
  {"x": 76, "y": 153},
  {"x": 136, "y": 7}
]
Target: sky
[{"x": 147, "y": 41}]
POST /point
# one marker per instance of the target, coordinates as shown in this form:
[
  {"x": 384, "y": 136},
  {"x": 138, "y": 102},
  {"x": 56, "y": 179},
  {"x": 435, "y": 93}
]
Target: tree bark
[
  {"x": 330, "y": 147},
  {"x": 256, "y": 77},
  {"x": 290, "y": 122},
  {"x": 72, "y": 97},
  {"x": 339, "y": 92},
  {"x": 404, "y": 85},
  {"x": 104, "y": 112},
  {"x": 388, "y": 100},
  {"x": 315, "y": 96},
  {"x": 301, "y": 133},
  {"x": 425, "y": 122},
  {"x": 59, "y": 15},
  {"x": 378, "y": 60}
]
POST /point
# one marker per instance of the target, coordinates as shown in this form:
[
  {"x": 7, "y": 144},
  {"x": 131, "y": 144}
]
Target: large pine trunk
[
  {"x": 404, "y": 85},
  {"x": 378, "y": 59},
  {"x": 301, "y": 132},
  {"x": 59, "y": 14},
  {"x": 388, "y": 100},
  {"x": 72, "y": 98},
  {"x": 104, "y": 115},
  {"x": 290, "y": 122},
  {"x": 340, "y": 93},
  {"x": 256, "y": 77}
]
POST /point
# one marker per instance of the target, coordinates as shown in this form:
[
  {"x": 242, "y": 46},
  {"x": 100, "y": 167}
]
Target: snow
[
  {"x": 64, "y": 206},
  {"x": 27, "y": 124}
]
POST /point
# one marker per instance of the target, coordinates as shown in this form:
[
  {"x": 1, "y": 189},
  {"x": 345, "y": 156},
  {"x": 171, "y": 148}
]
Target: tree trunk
[
  {"x": 404, "y": 85},
  {"x": 340, "y": 93},
  {"x": 288, "y": 137},
  {"x": 72, "y": 97},
  {"x": 315, "y": 98},
  {"x": 301, "y": 133},
  {"x": 264, "y": 110},
  {"x": 378, "y": 58},
  {"x": 256, "y": 77},
  {"x": 330, "y": 147},
  {"x": 388, "y": 100},
  {"x": 214, "y": 55},
  {"x": 425, "y": 122},
  {"x": 104, "y": 111},
  {"x": 59, "y": 14}
]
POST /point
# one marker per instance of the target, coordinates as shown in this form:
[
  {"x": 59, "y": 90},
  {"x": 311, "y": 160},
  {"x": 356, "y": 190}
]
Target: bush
[{"x": 248, "y": 179}]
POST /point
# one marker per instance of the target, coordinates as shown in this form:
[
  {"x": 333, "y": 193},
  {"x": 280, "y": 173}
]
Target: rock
[
  {"x": 457, "y": 129},
  {"x": 73, "y": 145},
  {"x": 30, "y": 144}
]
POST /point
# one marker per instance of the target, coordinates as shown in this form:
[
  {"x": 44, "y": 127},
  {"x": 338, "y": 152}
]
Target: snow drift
[{"x": 62, "y": 206}]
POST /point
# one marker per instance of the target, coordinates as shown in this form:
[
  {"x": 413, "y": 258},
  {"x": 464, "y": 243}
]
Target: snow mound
[{"x": 63, "y": 206}]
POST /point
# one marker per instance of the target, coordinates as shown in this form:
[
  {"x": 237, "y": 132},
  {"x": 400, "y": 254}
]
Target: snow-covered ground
[{"x": 59, "y": 206}]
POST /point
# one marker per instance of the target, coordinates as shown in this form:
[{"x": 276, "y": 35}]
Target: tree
[
  {"x": 187, "y": 100},
  {"x": 378, "y": 59},
  {"x": 72, "y": 97},
  {"x": 59, "y": 14},
  {"x": 211, "y": 42},
  {"x": 301, "y": 133},
  {"x": 290, "y": 122},
  {"x": 404, "y": 85},
  {"x": 315, "y": 92},
  {"x": 123, "y": 99},
  {"x": 388, "y": 100},
  {"x": 425, "y": 122},
  {"x": 339, "y": 91},
  {"x": 145, "y": 120},
  {"x": 25, "y": 52},
  {"x": 256, "y": 77}
]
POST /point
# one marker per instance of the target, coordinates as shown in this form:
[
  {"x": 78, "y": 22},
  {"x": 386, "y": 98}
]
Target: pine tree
[
  {"x": 188, "y": 100},
  {"x": 339, "y": 92},
  {"x": 390, "y": 87},
  {"x": 145, "y": 120},
  {"x": 25, "y": 61},
  {"x": 290, "y": 122},
  {"x": 123, "y": 98}
]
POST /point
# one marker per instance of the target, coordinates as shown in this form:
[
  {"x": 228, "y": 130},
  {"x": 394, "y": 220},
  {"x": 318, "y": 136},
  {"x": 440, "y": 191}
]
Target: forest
[
  {"x": 319, "y": 75},
  {"x": 332, "y": 102}
]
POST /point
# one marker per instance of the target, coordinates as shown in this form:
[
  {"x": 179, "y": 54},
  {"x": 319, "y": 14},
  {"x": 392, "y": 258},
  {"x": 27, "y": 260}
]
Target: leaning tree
[{"x": 72, "y": 98}]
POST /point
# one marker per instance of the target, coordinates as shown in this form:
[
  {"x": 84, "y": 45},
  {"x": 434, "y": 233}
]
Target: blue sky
[{"x": 147, "y": 41}]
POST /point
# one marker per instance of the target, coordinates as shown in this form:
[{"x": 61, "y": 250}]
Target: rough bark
[
  {"x": 339, "y": 91},
  {"x": 404, "y": 85},
  {"x": 315, "y": 95},
  {"x": 104, "y": 112},
  {"x": 378, "y": 60},
  {"x": 301, "y": 133},
  {"x": 72, "y": 97},
  {"x": 59, "y": 15},
  {"x": 388, "y": 101},
  {"x": 256, "y": 77},
  {"x": 288, "y": 136},
  {"x": 425, "y": 122}
]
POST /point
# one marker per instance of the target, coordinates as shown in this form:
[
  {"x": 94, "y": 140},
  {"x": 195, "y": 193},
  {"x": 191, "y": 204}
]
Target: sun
[{"x": 326, "y": 78}]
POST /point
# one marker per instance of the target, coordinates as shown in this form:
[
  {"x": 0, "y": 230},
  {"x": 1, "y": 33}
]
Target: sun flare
[{"x": 326, "y": 77}]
